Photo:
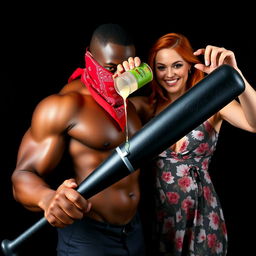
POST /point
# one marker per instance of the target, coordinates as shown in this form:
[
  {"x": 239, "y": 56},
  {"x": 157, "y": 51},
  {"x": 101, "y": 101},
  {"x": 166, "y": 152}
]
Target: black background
[{"x": 42, "y": 45}]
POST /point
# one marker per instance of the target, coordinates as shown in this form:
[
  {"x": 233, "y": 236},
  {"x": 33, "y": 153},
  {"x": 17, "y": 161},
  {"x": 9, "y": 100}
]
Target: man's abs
[{"x": 118, "y": 203}]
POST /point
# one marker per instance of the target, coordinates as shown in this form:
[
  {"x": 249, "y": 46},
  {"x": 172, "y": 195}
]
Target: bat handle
[{"x": 9, "y": 247}]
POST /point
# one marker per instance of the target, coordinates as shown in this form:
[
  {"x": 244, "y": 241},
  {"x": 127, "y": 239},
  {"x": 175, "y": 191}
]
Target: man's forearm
[{"x": 30, "y": 190}]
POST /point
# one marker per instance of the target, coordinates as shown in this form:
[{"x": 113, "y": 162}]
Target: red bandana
[{"x": 100, "y": 83}]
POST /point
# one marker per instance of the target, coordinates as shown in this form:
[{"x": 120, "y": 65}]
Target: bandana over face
[{"x": 100, "y": 84}]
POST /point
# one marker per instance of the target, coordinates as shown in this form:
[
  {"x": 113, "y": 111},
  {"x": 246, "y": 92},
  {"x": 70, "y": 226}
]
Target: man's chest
[{"x": 95, "y": 128}]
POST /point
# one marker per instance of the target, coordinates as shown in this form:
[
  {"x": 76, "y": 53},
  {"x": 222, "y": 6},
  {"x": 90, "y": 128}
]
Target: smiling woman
[
  {"x": 189, "y": 217},
  {"x": 169, "y": 54},
  {"x": 172, "y": 72}
]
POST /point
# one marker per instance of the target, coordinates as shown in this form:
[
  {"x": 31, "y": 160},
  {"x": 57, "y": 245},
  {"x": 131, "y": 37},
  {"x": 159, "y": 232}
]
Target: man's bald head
[
  {"x": 111, "y": 45},
  {"x": 111, "y": 33}
]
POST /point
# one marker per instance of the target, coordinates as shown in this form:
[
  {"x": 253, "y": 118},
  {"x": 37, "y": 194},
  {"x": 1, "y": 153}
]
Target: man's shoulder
[
  {"x": 60, "y": 101},
  {"x": 58, "y": 109}
]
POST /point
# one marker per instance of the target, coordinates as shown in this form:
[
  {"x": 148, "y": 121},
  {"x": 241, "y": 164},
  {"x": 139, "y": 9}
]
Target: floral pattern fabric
[{"x": 190, "y": 220}]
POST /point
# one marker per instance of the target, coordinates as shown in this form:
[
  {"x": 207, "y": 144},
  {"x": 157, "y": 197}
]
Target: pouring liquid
[
  {"x": 127, "y": 83},
  {"x": 124, "y": 92}
]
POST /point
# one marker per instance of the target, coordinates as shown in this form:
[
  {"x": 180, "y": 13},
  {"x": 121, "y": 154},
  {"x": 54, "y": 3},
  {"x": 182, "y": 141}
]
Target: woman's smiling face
[{"x": 171, "y": 72}]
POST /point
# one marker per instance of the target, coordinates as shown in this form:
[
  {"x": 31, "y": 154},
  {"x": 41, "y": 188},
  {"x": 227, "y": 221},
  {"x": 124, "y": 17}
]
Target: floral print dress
[{"x": 189, "y": 215}]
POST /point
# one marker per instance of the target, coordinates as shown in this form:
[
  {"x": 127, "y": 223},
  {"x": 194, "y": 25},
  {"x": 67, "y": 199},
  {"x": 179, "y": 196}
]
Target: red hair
[{"x": 183, "y": 47}]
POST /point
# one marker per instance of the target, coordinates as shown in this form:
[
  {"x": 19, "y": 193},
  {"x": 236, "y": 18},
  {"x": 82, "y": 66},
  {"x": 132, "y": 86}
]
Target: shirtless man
[{"x": 107, "y": 223}]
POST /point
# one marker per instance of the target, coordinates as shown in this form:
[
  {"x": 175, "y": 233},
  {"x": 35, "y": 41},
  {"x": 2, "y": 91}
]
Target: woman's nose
[{"x": 169, "y": 72}]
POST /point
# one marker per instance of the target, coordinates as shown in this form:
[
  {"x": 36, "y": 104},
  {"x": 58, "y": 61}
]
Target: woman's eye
[
  {"x": 161, "y": 68},
  {"x": 178, "y": 65}
]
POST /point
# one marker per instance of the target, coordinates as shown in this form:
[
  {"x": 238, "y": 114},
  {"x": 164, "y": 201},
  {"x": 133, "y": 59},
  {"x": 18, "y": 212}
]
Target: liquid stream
[{"x": 124, "y": 92}]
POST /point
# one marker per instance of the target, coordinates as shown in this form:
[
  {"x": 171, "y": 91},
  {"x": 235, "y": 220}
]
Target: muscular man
[{"x": 87, "y": 116}]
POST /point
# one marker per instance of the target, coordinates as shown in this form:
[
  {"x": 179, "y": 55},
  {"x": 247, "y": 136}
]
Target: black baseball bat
[{"x": 198, "y": 104}]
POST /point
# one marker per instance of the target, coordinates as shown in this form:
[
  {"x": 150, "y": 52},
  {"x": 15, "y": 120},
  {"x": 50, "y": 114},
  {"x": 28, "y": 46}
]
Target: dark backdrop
[{"x": 39, "y": 50}]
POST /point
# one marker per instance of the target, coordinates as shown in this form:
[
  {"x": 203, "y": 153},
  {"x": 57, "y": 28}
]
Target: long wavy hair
[{"x": 182, "y": 46}]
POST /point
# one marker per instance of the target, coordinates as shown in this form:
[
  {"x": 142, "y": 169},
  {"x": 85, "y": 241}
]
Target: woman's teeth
[{"x": 171, "y": 82}]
